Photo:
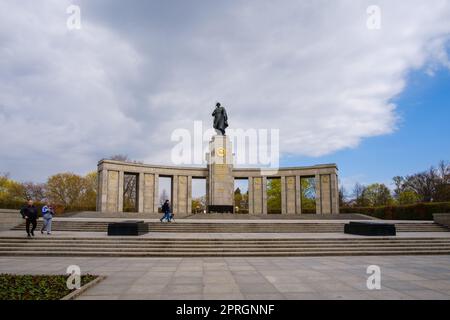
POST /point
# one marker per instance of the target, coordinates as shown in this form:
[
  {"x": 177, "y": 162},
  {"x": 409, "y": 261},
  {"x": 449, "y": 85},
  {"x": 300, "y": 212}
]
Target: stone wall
[{"x": 442, "y": 219}]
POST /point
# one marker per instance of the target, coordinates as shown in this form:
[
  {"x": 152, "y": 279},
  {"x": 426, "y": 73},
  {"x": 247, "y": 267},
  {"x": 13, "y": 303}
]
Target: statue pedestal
[{"x": 220, "y": 182}]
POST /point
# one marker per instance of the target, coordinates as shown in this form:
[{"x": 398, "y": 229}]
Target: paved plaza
[{"x": 402, "y": 277}]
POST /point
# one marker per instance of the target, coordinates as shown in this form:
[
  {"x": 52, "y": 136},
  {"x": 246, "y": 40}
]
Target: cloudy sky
[{"x": 374, "y": 101}]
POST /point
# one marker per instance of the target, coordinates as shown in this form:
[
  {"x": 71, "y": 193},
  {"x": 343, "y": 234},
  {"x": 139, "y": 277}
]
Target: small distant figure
[
  {"x": 47, "y": 216},
  {"x": 30, "y": 214},
  {"x": 166, "y": 210}
]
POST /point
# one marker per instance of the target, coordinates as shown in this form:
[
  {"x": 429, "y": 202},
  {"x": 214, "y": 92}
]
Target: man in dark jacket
[
  {"x": 166, "y": 210},
  {"x": 30, "y": 214}
]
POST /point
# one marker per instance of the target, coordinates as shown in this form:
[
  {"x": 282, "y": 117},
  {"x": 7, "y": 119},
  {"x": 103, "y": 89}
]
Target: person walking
[
  {"x": 166, "y": 210},
  {"x": 30, "y": 214},
  {"x": 47, "y": 215},
  {"x": 171, "y": 217}
]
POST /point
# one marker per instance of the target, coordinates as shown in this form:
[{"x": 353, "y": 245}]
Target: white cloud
[{"x": 124, "y": 81}]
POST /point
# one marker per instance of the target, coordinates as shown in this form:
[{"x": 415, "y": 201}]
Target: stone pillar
[
  {"x": 102, "y": 195},
  {"x": 334, "y": 194},
  {"x": 175, "y": 194},
  {"x": 250, "y": 195},
  {"x": 257, "y": 195},
  {"x": 283, "y": 195},
  {"x": 120, "y": 201},
  {"x": 112, "y": 200},
  {"x": 298, "y": 195},
  {"x": 325, "y": 193},
  {"x": 182, "y": 198},
  {"x": 290, "y": 195},
  {"x": 156, "y": 194},
  {"x": 318, "y": 195},
  {"x": 149, "y": 192},
  {"x": 189, "y": 194},
  {"x": 220, "y": 174},
  {"x": 264, "y": 195},
  {"x": 140, "y": 192}
]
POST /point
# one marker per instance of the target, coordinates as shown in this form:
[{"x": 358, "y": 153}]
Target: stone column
[
  {"x": 156, "y": 193},
  {"x": 220, "y": 174},
  {"x": 318, "y": 195},
  {"x": 140, "y": 192},
  {"x": 112, "y": 199},
  {"x": 290, "y": 195},
  {"x": 298, "y": 195},
  {"x": 102, "y": 190},
  {"x": 264, "y": 195},
  {"x": 149, "y": 192},
  {"x": 189, "y": 195},
  {"x": 120, "y": 201},
  {"x": 175, "y": 194},
  {"x": 283, "y": 195},
  {"x": 257, "y": 195},
  {"x": 325, "y": 193},
  {"x": 250, "y": 195},
  {"x": 334, "y": 194},
  {"x": 182, "y": 198}
]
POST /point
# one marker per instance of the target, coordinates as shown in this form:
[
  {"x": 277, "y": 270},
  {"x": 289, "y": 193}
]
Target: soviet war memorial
[{"x": 224, "y": 159}]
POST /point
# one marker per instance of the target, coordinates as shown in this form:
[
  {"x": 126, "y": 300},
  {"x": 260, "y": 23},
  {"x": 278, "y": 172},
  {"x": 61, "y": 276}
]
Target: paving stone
[
  {"x": 146, "y": 289},
  {"x": 264, "y": 296},
  {"x": 404, "y": 285},
  {"x": 257, "y": 288},
  {"x": 99, "y": 297},
  {"x": 429, "y": 295},
  {"x": 403, "y": 277},
  {"x": 345, "y": 295},
  {"x": 220, "y": 289},
  {"x": 388, "y": 294},
  {"x": 294, "y": 288},
  {"x": 302, "y": 296},
  {"x": 183, "y": 289},
  {"x": 224, "y": 296}
]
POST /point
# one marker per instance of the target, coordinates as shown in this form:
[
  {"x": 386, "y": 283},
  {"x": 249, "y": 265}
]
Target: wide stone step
[
  {"x": 196, "y": 247},
  {"x": 186, "y": 227},
  {"x": 219, "y": 249},
  {"x": 138, "y": 239},
  {"x": 225, "y": 248},
  {"x": 262, "y": 253}
]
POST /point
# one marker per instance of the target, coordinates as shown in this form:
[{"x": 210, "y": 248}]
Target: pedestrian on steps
[
  {"x": 47, "y": 215},
  {"x": 166, "y": 210},
  {"x": 30, "y": 214}
]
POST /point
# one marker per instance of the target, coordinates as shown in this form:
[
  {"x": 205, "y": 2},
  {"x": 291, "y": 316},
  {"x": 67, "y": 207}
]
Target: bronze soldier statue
[{"x": 220, "y": 119}]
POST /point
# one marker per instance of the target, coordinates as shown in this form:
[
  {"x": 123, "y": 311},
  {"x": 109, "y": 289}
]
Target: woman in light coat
[{"x": 47, "y": 215}]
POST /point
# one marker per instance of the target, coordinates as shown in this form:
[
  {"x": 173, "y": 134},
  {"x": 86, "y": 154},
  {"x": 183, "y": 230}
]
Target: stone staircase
[
  {"x": 234, "y": 227},
  {"x": 9, "y": 218},
  {"x": 151, "y": 247}
]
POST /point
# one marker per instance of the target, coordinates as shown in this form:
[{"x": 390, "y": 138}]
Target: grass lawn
[{"x": 36, "y": 287}]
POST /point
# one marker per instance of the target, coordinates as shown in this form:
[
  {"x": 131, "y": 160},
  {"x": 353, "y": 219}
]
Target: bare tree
[
  {"x": 120, "y": 157},
  {"x": 358, "y": 194},
  {"x": 130, "y": 191},
  {"x": 35, "y": 191},
  {"x": 430, "y": 185},
  {"x": 123, "y": 158},
  {"x": 342, "y": 196}
]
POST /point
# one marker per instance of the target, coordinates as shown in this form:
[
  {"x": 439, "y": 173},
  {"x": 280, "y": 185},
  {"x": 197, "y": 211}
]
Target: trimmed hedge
[
  {"x": 15, "y": 204},
  {"x": 419, "y": 211}
]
